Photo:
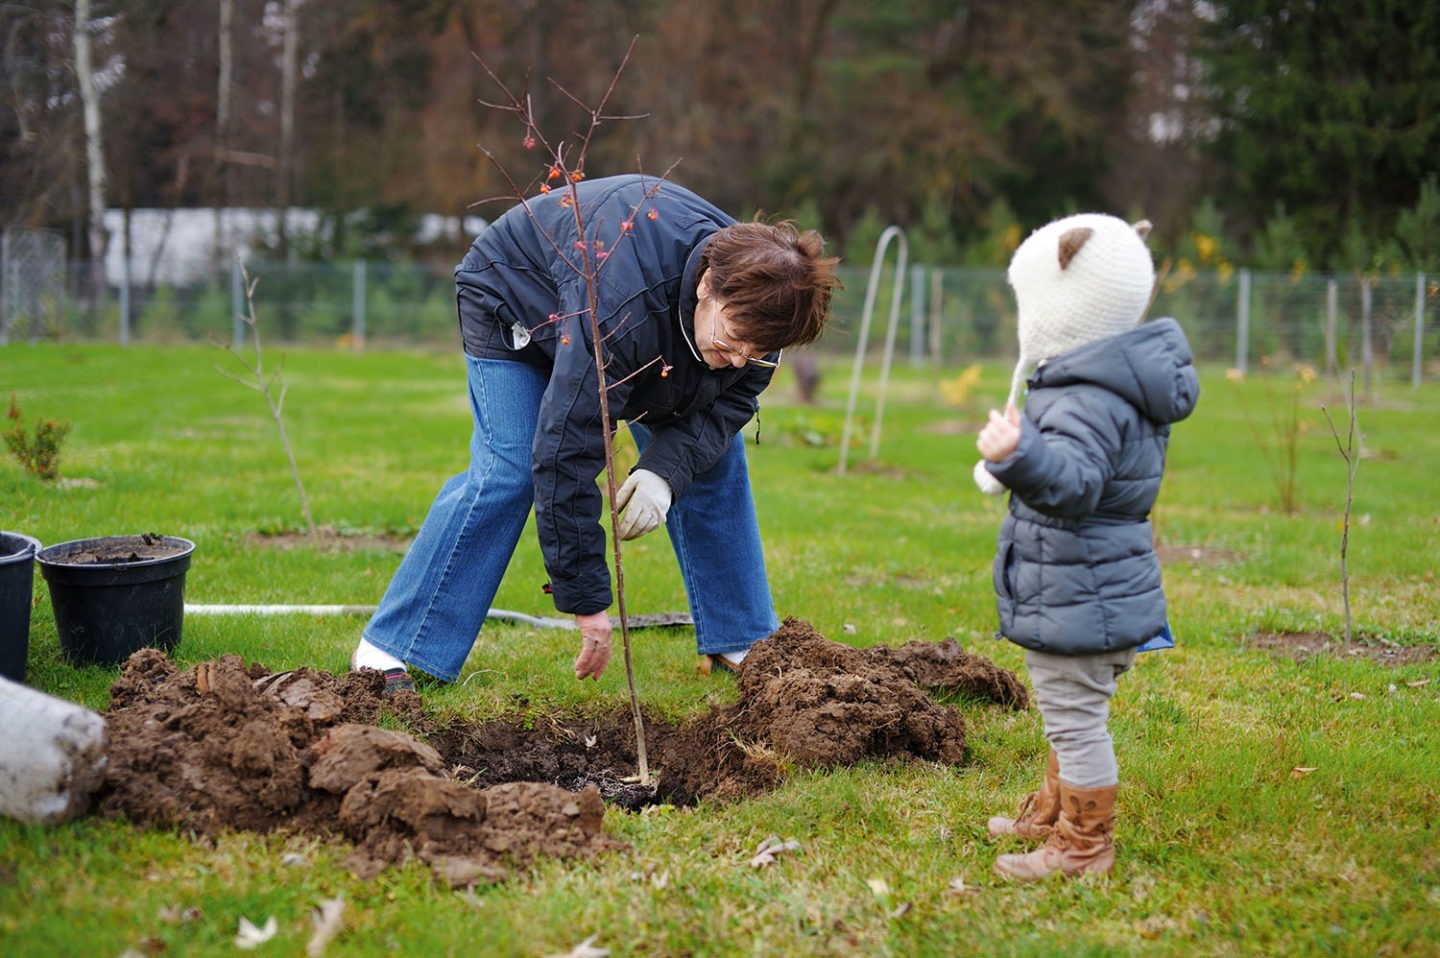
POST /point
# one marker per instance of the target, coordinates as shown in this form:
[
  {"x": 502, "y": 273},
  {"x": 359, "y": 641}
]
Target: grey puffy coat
[{"x": 1076, "y": 572}]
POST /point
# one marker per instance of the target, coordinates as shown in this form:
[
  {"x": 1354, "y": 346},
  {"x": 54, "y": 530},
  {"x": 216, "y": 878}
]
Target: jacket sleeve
[
  {"x": 568, "y": 454},
  {"x": 1064, "y": 461},
  {"x": 683, "y": 449}
]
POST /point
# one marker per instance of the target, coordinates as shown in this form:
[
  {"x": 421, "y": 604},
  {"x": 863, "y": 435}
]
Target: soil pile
[
  {"x": 223, "y": 746},
  {"x": 814, "y": 702},
  {"x": 220, "y": 746}
]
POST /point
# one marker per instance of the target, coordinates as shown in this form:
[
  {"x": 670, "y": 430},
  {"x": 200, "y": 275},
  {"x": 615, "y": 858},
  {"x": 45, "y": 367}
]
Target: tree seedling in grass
[
  {"x": 272, "y": 387},
  {"x": 1281, "y": 447},
  {"x": 1351, "y": 455},
  {"x": 40, "y": 455},
  {"x": 563, "y": 171}
]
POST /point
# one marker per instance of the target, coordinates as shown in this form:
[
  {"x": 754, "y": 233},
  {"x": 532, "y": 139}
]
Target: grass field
[{"x": 1223, "y": 847}]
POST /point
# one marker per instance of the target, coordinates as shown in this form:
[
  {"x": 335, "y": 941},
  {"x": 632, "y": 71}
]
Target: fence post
[
  {"x": 1242, "y": 333},
  {"x": 917, "y": 315},
  {"x": 1366, "y": 346},
  {"x": 125, "y": 275},
  {"x": 357, "y": 332},
  {"x": 1332, "y": 313},
  {"x": 237, "y": 303},
  {"x": 936, "y": 288},
  {"x": 1419, "y": 330}
]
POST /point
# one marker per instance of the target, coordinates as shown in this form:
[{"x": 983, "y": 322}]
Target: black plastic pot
[
  {"x": 117, "y": 594},
  {"x": 17, "y": 583}
]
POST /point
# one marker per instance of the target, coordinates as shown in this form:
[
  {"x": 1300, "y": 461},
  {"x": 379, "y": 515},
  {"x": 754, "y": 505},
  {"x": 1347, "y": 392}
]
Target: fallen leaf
[
  {"x": 958, "y": 887},
  {"x": 325, "y": 922},
  {"x": 769, "y": 849},
  {"x": 1357, "y": 695},
  {"x": 584, "y": 950},
  {"x": 175, "y": 915},
  {"x": 878, "y": 886},
  {"x": 900, "y": 911},
  {"x": 1300, "y": 771},
  {"x": 1418, "y": 683},
  {"x": 251, "y": 937}
]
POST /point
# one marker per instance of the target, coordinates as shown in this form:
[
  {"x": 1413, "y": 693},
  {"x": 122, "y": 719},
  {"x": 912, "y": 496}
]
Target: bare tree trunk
[
  {"x": 220, "y": 168},
  {"x": 94, "y": 146},
  {"x": 288, "y": 61}
]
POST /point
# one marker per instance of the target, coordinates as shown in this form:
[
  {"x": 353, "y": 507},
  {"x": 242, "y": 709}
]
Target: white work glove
[{"x": 645, "y": 497}]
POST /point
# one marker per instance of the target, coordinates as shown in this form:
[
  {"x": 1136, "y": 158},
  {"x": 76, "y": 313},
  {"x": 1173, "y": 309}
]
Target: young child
[{"x": 1077, "y": 579}]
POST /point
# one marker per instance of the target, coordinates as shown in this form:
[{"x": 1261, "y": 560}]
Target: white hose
[{"x": 505, "y": 614}]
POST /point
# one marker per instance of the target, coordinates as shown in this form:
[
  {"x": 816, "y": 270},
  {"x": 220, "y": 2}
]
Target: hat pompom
[{"x": 987, "y": 483}]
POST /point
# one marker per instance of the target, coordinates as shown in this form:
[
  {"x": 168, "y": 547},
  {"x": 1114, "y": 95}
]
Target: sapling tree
[
  {"x": 1351, "y": 455},
  {"x": 269, "y": 385},
  {"x": 563, "y": 169},
  {"x": 38, "y": 455}
]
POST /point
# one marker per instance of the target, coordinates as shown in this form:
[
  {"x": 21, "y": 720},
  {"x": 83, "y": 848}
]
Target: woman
[{"x": 694, "y": 310}]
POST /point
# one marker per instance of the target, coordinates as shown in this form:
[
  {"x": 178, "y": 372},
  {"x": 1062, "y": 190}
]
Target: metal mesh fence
[
  {"x": 32, "y": 284},
  {"x": 949, "y": 316}
]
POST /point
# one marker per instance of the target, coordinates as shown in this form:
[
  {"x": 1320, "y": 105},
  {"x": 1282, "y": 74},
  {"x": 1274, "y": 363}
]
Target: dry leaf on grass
[
  {"x": 958, "y": 887},
  {"x": 250, "y": 936},
  {"x": 584, "y": 950},
  {"x": 769, "y": 849},
  {"x": 1300, "y": 771},
  {"x": 326, "y": 922}
]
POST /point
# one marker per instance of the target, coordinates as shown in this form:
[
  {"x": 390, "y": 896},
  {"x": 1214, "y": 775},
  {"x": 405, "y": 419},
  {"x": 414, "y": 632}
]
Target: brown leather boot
[
  {"x": 1082, "y": 840},
  {"x": 1038, "y": 810}
]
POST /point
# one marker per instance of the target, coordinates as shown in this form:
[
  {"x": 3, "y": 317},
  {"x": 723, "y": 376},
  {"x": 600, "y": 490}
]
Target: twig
[
  {"x": 1352, "y": 465},
  {"x": 257, "y": 381}
]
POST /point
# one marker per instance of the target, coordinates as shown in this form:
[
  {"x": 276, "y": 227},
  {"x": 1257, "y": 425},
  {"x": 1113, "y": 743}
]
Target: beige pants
[{"x": 1073, "y": 694}]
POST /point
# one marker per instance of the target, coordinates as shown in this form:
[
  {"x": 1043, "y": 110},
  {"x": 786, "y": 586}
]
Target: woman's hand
[{"x": 594, "y": 645}]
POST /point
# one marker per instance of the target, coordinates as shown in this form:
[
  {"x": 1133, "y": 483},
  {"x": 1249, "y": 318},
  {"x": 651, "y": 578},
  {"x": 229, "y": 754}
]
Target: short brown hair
[{"x": 775, "y": 281}]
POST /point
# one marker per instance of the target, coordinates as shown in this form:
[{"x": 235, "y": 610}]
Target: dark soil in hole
[
  {"x": 331, "y": 539},
  {"x": 222, "y": 746},
  {"x": 1304, "y": 645}
]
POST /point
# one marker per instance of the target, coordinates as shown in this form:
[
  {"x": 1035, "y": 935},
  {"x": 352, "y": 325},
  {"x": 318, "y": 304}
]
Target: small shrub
[{"x": 39, "y": 456}]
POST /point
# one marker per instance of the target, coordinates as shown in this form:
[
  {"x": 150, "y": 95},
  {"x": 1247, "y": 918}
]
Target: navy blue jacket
[
  {"x": 522, "y": 295},
  {"x": 1076, "y": 571}
]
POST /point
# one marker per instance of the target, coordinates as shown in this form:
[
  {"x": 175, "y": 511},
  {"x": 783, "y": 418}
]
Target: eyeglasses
[{"x": 729, "y": 350}]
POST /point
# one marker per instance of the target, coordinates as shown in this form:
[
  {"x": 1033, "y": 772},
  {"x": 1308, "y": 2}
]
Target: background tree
[
  {"x": 1329, "y": 108},
  {"x": 959, "y": 121}
]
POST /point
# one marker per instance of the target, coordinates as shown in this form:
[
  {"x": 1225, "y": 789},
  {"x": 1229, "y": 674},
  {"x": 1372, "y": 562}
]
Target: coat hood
[{"x": 1150, "y": 367}]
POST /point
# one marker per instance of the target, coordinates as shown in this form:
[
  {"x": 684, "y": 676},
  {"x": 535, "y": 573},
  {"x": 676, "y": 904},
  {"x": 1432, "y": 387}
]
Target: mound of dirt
[
  {"x": 223, "y": 746},
  {"x": 807, "y": 700}
]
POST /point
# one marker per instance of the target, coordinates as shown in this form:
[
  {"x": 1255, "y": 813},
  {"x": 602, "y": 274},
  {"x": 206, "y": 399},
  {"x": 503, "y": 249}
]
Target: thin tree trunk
[
  {"x": 288, "y": 62},
  {"x": 94, "y": 145},
  {"x": 220, "y": 168}
]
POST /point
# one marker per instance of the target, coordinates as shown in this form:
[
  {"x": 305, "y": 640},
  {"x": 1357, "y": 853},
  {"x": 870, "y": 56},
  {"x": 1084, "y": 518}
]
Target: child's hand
[{"x": 1001, "y": 435}]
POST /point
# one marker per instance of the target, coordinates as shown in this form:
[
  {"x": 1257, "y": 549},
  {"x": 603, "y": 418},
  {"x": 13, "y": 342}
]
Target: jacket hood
[{"x": 1150, "y": 367}]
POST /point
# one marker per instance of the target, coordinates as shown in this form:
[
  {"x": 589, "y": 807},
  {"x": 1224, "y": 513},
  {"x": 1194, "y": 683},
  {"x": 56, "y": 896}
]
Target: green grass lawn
[{"x": 1223, "y": 847}]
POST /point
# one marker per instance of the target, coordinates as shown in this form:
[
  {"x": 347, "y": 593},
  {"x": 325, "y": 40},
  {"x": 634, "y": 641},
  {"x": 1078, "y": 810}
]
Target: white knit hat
[{"x": 1076, "y": 280}]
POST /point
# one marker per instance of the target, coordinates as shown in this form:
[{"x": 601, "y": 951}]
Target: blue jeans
[{"x": 433, "y": 609}]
